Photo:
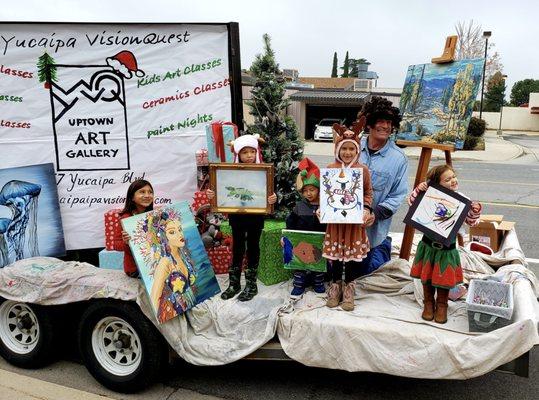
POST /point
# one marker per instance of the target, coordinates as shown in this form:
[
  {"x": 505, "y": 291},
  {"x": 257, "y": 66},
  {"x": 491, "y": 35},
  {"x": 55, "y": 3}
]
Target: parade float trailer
[{"x": 100, "y": 101}]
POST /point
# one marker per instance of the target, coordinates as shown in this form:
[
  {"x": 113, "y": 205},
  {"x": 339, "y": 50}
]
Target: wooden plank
[
  {"x": 437, "y": 146},
  {"x": 422, "y": 168}
]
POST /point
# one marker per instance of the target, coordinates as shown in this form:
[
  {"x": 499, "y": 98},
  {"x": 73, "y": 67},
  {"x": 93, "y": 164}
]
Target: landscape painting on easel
[{"x": 437, "y": 101}]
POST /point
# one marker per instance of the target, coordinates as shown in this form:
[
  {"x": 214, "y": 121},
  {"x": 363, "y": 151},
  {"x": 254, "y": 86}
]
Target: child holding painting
[
  {"x": 138, "y": 200},
  {"x": 438, "y": 266},
  {"x": 246, "y": 228},
  {"x": 303, "y": 218},
  {"x": 347, "y": 244}
]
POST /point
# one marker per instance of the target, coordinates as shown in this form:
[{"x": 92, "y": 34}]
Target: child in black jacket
[{"x": 303, "y": 218}]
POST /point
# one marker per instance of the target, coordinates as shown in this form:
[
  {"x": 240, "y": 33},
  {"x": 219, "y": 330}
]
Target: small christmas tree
[
  {"x": 46, "y": 70},
  {"x": 284, "y": 147}
]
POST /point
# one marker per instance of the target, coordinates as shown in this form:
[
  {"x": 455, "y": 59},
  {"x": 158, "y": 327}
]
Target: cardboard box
[{"x": 490, "y": 231}]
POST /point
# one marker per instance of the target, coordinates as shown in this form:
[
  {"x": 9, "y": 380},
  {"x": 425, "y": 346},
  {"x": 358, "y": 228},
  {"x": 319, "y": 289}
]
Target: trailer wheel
[
  {"x": 26, "y": 334},
  {"x": 120, "y": 346}
]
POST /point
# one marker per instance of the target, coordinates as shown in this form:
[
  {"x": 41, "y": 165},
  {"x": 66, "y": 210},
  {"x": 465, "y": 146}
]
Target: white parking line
[{"x": 532, "y": 260}]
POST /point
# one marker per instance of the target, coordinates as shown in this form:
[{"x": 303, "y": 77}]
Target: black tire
[
  {"x": 26, "y": 334},
  {"x": 146, "y": 349}
]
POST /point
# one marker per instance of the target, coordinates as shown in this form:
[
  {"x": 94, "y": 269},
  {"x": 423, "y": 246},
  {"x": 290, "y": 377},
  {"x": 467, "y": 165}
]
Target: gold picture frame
[{"x": 241, "y": 188}]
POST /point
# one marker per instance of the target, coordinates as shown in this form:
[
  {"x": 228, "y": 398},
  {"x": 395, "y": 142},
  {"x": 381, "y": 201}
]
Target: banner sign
[{"x": 108, "y": 104}]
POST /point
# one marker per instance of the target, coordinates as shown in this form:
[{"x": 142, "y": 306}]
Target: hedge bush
[{"x": 476, "y": 128}]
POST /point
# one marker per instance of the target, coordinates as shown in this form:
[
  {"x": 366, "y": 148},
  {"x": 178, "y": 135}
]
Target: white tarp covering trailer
[{"x": 124, "y": 347}]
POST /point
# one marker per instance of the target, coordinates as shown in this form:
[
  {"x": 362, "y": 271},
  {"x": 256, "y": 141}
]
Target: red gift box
[
  {"x": 220, "y": 259},
  {"x": 112, "y": 221},
  {"x": 200, "y": 199}
]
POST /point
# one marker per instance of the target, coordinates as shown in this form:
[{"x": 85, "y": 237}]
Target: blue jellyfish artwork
[
  {"x": 28, "y": 225},
  {"x": 4, "y": 254},
  {"x": 22, "y": 199}
]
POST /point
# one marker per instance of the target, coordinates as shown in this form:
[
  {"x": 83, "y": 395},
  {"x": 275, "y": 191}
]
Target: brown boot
[
  {"x": 440, "y": 315},
  {"x": 428, "y": 302},
  {"x": 334, "y": 294},
  {"x": 348, "y": 296}
]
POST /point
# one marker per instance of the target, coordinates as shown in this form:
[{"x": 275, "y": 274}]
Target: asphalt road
[{"x": 287, "y": 380}]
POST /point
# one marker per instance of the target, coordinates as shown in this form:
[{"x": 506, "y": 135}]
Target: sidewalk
[
  {"x": 19, "y": 387},
  {"x": 496, "y": 150}
]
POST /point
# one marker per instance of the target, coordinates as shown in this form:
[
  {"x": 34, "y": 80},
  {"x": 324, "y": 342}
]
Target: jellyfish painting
[
  {"x": 21, "y": 198},
  {"x": 4, "y": 254}
]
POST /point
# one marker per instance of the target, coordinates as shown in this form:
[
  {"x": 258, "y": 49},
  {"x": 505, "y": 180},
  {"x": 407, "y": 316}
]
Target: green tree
[
  {"x": 495, "y": 95},
  {"x": 353, "y": 64},
  {"x": 334, "y": 69},
  {"x": 346, "y": 67},
  {"x": 46, "y": 70},
  {"x": 520, "y": 93},
  {"x": 284, "y": 147}
]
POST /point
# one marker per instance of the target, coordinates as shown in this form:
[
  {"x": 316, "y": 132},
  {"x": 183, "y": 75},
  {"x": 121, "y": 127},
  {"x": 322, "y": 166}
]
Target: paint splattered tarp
[
  {"x": 215, "y": 332},
  {"x": 385, "y": 332}
]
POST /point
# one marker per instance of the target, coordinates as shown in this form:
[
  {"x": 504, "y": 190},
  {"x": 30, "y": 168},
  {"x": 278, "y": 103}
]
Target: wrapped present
[
  {"x": 218, "y": 135},
  {"x": 200, "y": 199},
  {"x": 220, "y": 259},
  {"x": 270, "y": 267},
  {"x": 202, "y": 158},
  {"x": 111, "y": 259},
  {"x": 112, "y": 221}
]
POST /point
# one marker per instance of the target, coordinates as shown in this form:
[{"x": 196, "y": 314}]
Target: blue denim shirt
[{"x": 389, "y": 176}]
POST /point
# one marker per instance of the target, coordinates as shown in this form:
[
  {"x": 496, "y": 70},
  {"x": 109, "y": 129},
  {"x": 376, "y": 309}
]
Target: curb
[{"x": 22, "y": 387}]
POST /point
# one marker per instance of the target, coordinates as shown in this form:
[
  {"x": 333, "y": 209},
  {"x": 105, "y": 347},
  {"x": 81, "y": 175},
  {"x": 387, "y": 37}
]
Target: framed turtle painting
[{"x": 241, "y": 188}]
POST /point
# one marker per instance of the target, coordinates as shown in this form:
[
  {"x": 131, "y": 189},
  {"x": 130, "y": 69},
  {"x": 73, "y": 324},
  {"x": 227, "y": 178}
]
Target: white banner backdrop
[{"x": 123, "y": 102}]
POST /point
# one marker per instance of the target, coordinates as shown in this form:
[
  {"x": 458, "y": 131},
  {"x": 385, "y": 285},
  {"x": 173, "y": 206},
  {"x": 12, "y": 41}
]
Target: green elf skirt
[{"x": 437, "y": 265}]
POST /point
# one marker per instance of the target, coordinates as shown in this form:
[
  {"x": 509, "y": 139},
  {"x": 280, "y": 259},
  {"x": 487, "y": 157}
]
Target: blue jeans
[{"x": 376, "y": 257}]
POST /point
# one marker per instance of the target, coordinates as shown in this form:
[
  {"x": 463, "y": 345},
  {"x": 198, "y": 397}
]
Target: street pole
[
  {"x": 486, "y": 35},
  {"x": 500, "y": 132},
  {"x": 500, "y": 125}
]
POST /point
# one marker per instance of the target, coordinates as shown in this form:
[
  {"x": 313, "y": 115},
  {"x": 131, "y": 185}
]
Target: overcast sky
[{"x": 305, "y": 33}]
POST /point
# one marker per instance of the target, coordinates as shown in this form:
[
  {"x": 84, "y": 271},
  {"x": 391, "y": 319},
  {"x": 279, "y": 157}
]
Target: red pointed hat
[
  {"x": 309, "y": 174},
  {"x": 126, "y": 64}
]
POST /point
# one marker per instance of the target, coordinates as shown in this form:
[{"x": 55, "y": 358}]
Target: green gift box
[{"x": 270, "y": 267}]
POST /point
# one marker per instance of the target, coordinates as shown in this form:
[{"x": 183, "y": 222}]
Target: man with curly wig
[{"x": 388, "y": 166}]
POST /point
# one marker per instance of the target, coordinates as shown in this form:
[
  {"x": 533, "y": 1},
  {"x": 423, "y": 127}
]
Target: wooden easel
[
  {"x": 426, "y": 149},
  {"x": 422, "y": 168},
  {"x": 449, "y": 51}
]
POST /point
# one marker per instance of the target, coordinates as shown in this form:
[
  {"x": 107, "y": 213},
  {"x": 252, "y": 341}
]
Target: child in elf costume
[
  {"x": 438, "y": 266},
  {"x": 303, "y": 218},
  {"x": 246, "y": 228},
  {"x": 347, "y": 244}
]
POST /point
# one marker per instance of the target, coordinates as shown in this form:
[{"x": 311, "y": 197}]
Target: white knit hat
[{"x": 247, "y": 141}]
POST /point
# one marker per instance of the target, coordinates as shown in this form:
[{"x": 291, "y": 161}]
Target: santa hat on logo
[
  {"x": 309, "y": 174},
  {"x": 125, "y": 64},
  {"x": 247, "y": 141}
]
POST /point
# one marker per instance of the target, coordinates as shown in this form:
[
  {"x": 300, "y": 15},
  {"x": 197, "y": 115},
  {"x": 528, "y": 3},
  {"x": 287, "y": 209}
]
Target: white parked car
[{"x": 323, "y": 130}]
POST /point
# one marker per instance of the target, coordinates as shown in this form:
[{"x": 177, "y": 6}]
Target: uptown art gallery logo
[{"x": 89, "y": 112}]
